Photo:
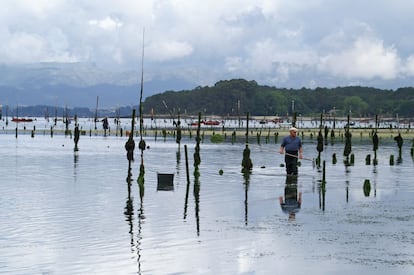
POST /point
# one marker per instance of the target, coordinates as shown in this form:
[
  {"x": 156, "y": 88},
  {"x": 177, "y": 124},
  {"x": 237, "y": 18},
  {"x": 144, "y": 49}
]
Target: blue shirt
[
  {"x": 290, "y": 205},
  {"x": 291, "y": 144}
]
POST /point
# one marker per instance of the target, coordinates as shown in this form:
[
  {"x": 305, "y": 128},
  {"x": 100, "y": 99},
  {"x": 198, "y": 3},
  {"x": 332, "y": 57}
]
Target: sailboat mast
[{"x": 141, "y": 121}]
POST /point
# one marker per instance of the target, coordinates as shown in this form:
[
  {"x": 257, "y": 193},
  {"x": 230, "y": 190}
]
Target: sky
[{"x": 283, "y": 43}]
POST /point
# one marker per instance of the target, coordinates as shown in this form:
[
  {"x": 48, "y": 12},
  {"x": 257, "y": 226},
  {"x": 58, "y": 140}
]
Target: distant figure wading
[{"x": 291, "y": 146}]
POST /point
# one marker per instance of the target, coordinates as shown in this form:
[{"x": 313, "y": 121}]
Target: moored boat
[
  {"x": 21, "y": 119},
  {"x": 212, "y": 122}
]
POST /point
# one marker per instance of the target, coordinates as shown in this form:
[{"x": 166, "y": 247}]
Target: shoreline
[{"x": 304, "y": 133}]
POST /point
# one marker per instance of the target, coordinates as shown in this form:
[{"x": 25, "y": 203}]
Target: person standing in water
[{"x": 292, "y": 148}]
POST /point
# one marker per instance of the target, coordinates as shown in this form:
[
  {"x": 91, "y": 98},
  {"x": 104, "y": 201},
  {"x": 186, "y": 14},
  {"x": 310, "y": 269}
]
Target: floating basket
[{"x": 165, "y": 182}]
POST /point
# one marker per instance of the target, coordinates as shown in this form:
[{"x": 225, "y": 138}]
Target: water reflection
[
  {"x": 129, "y": 218},
  {"x": 178, "y": 158},
  {"x": 370, "y": 234},
  {"x": 197, "y": 197},
  {"x": 75, "y": 163},
  {"x": 197, "y": 161},
  {"x": 347, "y": 190},
  {"x": 246, "y": 176},
  {"x": 141, "y": 219},
  {"x": 196, "y": 186},
  {"x": 188, "y": 182},
  {"x": 292, "y": 200},
  {"x": 375, "y": 174}
]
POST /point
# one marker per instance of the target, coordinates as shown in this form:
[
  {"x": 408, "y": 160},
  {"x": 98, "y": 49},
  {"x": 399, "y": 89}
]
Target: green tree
[{"x": 355, "y": 104}]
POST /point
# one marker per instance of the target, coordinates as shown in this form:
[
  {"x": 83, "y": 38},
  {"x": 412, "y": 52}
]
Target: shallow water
[{"x": 70, "y": 213}]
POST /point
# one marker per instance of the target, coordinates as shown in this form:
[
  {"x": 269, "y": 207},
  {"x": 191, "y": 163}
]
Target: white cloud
[
  {"x": 108, "y": 23},
  {"x": 23, "y": 47},
  {"x": 265, "y": 40},
  {"x": 167, "y": 50},
  {"x": 30, "y": 48},
  {"x": 365, "y": 58},
  {"x": 409, "y": 66}
]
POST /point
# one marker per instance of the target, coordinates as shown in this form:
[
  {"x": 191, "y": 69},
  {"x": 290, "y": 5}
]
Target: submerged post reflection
[
  {"x": 246, "y": 176},
  {"x": 197, "y": 161},
  {"x": 292, "y": 200},
  {"x": 129, "y": 218},
  {"x": 75, "y": 164}
]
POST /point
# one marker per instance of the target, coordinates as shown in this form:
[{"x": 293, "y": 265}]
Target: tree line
[{"x": 238, "y": 96}]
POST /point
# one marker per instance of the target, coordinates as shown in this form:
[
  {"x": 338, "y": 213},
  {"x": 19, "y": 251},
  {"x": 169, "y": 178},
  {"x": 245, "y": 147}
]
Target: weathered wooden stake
[{"x": 368, "y": 160}]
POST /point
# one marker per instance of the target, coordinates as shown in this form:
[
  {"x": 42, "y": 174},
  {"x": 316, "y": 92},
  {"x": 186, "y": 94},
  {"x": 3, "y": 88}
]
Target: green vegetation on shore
[
  {"x": 239, "y": 96},
  {"x": 236, "y": 97}
]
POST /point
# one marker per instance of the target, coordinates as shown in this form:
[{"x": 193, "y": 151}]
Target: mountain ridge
[{"x": 77, "y": 85}]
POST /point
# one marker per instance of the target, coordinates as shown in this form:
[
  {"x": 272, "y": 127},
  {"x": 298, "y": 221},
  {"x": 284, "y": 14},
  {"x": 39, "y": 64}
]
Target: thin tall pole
[{"x": 96, "y": 111}]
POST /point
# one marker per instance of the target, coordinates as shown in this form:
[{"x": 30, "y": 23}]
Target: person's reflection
[
  {"x": 292, "y": 201},
  {"x": 75, "y": 163}
]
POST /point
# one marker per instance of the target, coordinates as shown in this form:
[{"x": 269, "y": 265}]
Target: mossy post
[
  {"x": 105, "y": 125},
  {"x": 66, "y": 119},
  {"x": 130, "y": 146},
  {"x": 76, "y": 137},
  {"x": 142, "y": 144},
  {"x": 268, "y": 137},
  {"x": 368, "y": 160},
  {"x": 321, "y": 122},
  {"x": 197, "y": 161},
  {"x": 197, "y": 158},
  {"x": 319, "y": 148},
  {"x": 294, "y": 118},
  {"x": 348, "y": 143},
  {"x": 178, "y": 130},
  {"x": 375, "y": 143},
  {"x": 247, "y": 164},
  {"x": 392, "y": 160},
  {"x": 400, "y": 142},
  {"x": 276, "y": 137}
]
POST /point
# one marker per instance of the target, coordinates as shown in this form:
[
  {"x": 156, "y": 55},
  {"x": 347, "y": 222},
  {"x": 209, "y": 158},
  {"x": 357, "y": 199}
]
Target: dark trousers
[{"x": 291, "y": 164}]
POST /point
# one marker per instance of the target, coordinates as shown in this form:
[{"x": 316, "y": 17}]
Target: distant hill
[
  {"x": 41, "y": 88},
  {"x": 76, "y": 84},
  {"x": 238, "y": 96}
]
